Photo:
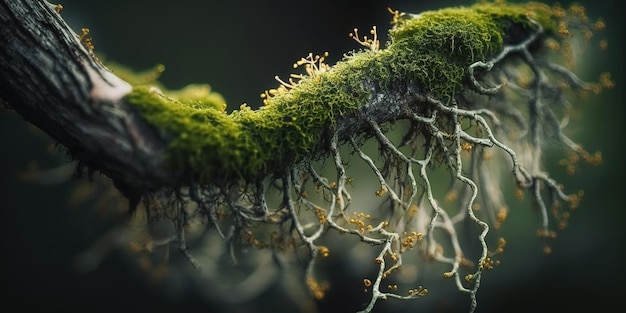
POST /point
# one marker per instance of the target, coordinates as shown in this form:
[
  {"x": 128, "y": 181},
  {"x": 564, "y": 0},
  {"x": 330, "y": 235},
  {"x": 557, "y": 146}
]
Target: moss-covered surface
[{"x": 433, "y": 50}]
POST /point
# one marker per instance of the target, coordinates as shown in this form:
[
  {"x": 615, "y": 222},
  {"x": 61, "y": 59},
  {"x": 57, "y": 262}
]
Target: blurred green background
[{"x": 237, "y": 47}]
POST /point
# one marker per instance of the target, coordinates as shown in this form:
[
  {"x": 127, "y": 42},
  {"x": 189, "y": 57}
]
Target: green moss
[
  {"x": 209, "y": 143},
  {"x": 204, "y": 141},
  {"x": 436, "y": 48},
  {"x": 196, "y": 95},
  {"x": 432, "y": 51}
]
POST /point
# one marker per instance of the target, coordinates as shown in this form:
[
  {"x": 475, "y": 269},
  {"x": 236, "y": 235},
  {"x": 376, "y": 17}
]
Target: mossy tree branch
[{"x": 465, "y": 86}]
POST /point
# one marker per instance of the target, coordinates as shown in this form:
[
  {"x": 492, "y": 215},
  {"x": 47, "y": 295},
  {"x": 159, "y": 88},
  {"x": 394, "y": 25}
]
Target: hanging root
[{"x": 374, "y": 120}]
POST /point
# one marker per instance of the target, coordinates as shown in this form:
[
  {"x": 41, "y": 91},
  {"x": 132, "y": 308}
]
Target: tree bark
[{"x": 55, "y": 82}]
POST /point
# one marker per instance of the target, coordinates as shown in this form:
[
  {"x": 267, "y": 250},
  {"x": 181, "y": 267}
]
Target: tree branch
[
  {"x": 198, "y": 165},
  {"x": 53, "y": 81}
]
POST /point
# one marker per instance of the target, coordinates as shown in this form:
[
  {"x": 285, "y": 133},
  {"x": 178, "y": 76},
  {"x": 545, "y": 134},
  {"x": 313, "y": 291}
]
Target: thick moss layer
[{"x": 433, "y": 50}]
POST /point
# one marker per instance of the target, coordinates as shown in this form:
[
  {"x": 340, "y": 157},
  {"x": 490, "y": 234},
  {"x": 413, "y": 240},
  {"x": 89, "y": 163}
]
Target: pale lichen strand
[
  {"x": 247, "y": 177},
  {"x": 433, "y": 51},
  {"x": 476, "y": 86}
]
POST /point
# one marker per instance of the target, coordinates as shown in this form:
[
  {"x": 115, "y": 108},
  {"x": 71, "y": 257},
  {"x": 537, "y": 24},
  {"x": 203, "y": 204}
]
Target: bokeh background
[{"x": 237, "y": 47}]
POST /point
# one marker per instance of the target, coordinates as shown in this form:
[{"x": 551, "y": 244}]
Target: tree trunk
[{"x": 54, "y": 81}]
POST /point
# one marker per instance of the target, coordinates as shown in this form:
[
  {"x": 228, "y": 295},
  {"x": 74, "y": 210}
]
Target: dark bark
[{"x": 53, "y": 81}]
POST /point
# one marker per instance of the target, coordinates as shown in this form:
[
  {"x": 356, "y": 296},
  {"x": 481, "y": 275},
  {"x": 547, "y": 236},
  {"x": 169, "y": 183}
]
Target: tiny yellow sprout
[
  {"x": 413, "y": 209},
  {"x": 599, "y": 25},
  {"x": 562, "y": 29},
  {"x": 545, "y": 233},
  {"x": 321, "y": 215},
  {"x": 552, "y": 44},
  {"x": 451, "y": 196},
  {"x": 324, "y": 251},
  {"x": 367, "y": 282},
  {"x": 558, "y": 11},
  {"x": 373, "y": 44},
  {"x": 578, "y": 10},
  {"x": 489, "y": 264},
  {"x": 318, "y": 290},
  {"x": 501, "y": 243},
  {"x": 607, "y": 83},
  {"x": 86, "y": 41},
  {"x": 381, "y": 192},
  {"x": 575, "y": 199},
  {"x": 397, "y": 15},
  {"x": 83, "y": 32},
  {"x": 466, "y": 146},
  {"x": 419, "y": 291},
  {"x": 501, "y": 217},
  {"x": 411, "y": 239},
  {"x": 361, "y": 215}
]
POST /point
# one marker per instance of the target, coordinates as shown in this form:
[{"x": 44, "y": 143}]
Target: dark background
[{"x": 238, "y": 47}]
